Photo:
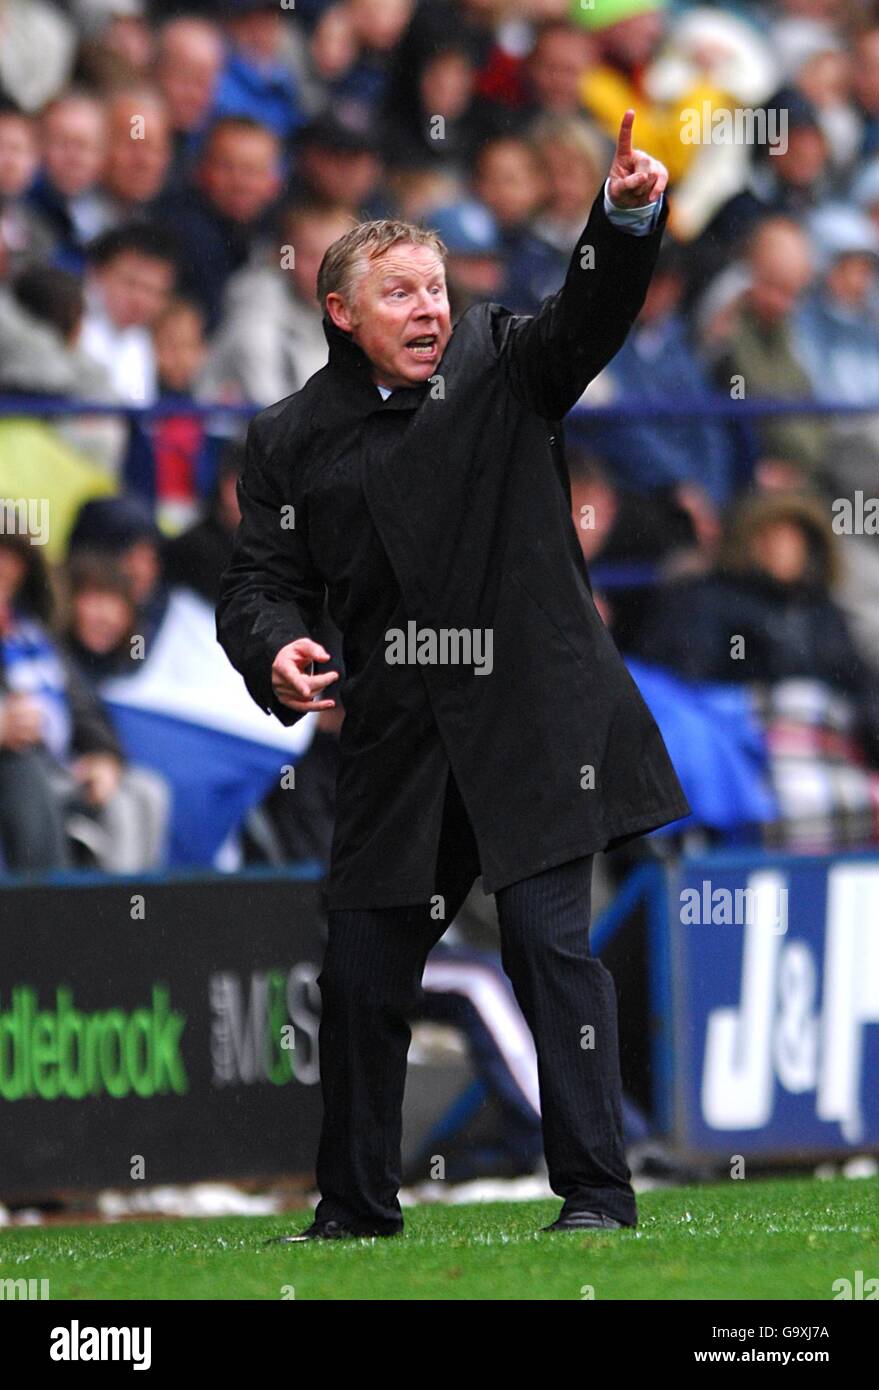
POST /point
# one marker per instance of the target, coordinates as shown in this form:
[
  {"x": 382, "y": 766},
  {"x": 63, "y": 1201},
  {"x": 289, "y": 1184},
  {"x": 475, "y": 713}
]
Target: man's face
[
  {"x": 187, "y": 73},
  {"x": 311, "y": 236},
  {"x": 18, "y": 155},
  {"x": 345, "y": 177},
  {"x": 399, "y": 315},
  {"x": 781, "y": 270},
  {"x": 135, "y": 288},
  {"x": 852, "y": 279},
  {"x": 556, "y": 68},
  {"x": 138, "y": 154},
  {"x": 804, "y": 160},
  {"x": 240, "y": 173},
  {"x": 75, "y": 145},
  {"x": 510, "y": 181},
  {"x": 101, "y": 619}
]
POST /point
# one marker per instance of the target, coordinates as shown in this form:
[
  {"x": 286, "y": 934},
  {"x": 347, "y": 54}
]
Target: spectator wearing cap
[
  {"x": 271, "y": 338},
  {"x": 255, "y": 80},
  {"x": 131, "y": 276},
  {"x": 189, "y": 60},
  {"x": 122, "y": 528},
  {"x": 337, "y": 162},
  {"x": 631, "y": 37},
  {"x": 226, "y": 218},
  {"x": 837, "y": 337},
  {"x": 474, "y": 260},
  {"x": 837, "y": 326}
]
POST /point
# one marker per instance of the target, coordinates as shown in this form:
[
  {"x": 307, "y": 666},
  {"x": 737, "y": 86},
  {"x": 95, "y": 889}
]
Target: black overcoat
[{"x": 447, "y": 507}]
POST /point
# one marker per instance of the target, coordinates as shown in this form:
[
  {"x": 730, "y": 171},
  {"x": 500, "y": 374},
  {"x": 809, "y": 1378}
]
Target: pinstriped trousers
[{"x": 370, "y": 983}]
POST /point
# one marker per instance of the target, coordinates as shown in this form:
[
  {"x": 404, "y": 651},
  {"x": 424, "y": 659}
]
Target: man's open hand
[
  {"x": 635, "y": 178},
  {"x": 289, "y": 680}
]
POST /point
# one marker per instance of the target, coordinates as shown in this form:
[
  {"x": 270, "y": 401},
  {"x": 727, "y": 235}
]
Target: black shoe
[
  {"x": 584, "y": 1221},
  {"x": 329, "y": 1230}
]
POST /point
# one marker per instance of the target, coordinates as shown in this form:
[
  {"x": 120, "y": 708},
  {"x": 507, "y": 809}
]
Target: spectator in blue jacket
[
  {"x": 255, "y": 81},
  {"x": 657, "y": 363}
]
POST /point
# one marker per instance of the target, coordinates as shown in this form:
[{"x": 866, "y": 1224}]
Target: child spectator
[
  {"x": 102, "y": 616},
  {"x": 129, "y": 828},
  {"x": 178, "y": 336},
  {"x": 179, "y": 441},
  {"x": 123, "y": 529}
]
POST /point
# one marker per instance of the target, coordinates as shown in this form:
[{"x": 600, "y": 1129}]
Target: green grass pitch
[{"x": 753, "y": 1239}]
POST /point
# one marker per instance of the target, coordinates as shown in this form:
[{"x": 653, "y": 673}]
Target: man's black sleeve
[
  {"x": 271, "y": 593},
  {"x": 552, "y": 356}
]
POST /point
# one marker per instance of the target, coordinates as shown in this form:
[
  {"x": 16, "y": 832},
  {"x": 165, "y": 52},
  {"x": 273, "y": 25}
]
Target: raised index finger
[{"x": 624, "y": 140}]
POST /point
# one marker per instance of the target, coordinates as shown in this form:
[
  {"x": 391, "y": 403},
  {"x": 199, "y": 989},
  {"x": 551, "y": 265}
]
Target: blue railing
[{"x": 624, "y": 411}]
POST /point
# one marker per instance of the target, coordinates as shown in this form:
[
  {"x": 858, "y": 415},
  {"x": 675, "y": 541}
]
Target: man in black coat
[{"x": 417, "y": 484}]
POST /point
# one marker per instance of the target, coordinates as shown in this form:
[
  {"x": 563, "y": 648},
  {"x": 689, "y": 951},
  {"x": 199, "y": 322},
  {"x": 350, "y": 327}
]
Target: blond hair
[{"x": 344, "y": 263}]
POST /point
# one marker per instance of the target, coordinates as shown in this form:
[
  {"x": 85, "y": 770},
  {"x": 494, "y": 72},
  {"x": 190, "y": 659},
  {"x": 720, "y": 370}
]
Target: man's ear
[{"x": 339, "y": 312}]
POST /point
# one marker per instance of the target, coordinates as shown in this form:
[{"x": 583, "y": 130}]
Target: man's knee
[{"x": 367, "y": 970}]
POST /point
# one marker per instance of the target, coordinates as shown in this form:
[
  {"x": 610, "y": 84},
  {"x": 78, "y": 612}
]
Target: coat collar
[{"x": 346, "y": 357}]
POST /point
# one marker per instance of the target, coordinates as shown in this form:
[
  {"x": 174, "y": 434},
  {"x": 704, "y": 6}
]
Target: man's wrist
[{"x": 637, "y": 221}]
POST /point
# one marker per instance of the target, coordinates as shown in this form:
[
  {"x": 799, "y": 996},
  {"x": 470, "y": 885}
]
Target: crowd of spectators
[{"x": 171, "y": 175}]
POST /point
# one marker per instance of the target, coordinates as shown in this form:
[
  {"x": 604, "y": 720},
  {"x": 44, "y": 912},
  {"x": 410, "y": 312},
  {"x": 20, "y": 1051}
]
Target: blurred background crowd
[{"x": 171, "y": 175}]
